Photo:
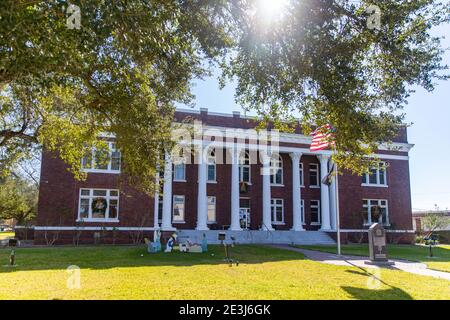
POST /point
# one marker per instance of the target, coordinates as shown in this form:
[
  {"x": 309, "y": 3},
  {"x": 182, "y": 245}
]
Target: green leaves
[{"x": 18, "y": 200}]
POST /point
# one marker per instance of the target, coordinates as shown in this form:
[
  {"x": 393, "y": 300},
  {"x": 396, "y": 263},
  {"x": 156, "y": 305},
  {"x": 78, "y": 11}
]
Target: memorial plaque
[{"x": 377, "y": 243}]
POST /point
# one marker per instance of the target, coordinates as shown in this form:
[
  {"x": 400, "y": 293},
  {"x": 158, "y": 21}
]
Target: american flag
[{"x": 321, "y": 138}]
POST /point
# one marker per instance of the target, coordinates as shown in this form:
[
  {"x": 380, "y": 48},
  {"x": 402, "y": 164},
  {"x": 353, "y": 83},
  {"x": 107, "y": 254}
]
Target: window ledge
[
  {"x": 212, "y": 222},
  {"x": 314, "y": 187},
  {"x": 276, "y": 185},
  {"x": 98, "y": 220},
  {"x": 211, "y": 181},
  {"x": 374, "y": 185},
  {"x": 278, "y": 223},
  {"x": 178, "y": 222},
  {"x": 101, "y": 171},
  {"x": 179, "y": 181},
  {"x": 383, "y": 224},
  {"x": 316, "y": 223}
]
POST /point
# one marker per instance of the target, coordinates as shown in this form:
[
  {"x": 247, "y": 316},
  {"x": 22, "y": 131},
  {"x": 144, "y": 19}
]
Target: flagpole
[{"x": 338, "y": 226}]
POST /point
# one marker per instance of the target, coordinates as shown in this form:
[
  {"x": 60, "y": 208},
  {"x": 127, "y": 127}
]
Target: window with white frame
[
  {"x": 301, "y": 174},
  {"x": 160, "y": 208},
  {"x": 314, "y": 180},
  {"x": 375, "y": 210},
  {"x": 98, "y": 205},
  {"x": 277, "y": 210},
  {"x": 276, "y": 165},
  {"x": 211, "y": 209},
  {"x": 244, "y": 167},
  {"x": 376, "y": 176},
  {"x": 315, "y": 212},
  {"x": 178, "y": 209},
  {"x": 179, "y": 168},
  {"x": 302, "y": 210},
  {"x": 211, "y": 162},
  {"x": 100, "y": 160}
]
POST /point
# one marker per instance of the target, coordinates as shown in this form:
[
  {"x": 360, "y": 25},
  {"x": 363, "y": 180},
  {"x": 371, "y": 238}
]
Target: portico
[{"x": 265, "y": 163}]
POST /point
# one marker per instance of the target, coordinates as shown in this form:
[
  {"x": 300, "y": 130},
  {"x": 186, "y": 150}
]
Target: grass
[
  {"x": 263, "y": 273},
  {"x": 6, "y": 235},
  {"x": 440, "y": 260}
]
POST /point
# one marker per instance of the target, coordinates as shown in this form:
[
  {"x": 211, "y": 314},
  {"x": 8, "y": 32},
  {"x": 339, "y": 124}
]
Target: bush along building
[{"x": 258, "y": 187}]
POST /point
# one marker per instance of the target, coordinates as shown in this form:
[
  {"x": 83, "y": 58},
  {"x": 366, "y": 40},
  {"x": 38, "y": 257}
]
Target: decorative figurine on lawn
[
  {"x": 171, "y": 243},
  {"x": 204, "y": 243},
  {"x": 157, "y": 239}
]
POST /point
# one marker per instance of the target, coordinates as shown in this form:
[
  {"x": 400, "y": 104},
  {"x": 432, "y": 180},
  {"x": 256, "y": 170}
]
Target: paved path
[{"x": 359, "y": 261}]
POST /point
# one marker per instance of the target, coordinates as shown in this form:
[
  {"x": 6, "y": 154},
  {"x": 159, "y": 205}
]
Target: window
[
  {"x": 302, "y": 210},
  {"x": 301, "y": 174},
  {"x": 244, "y": 168},
  {"x": 276, "y": 166},
  {"x": 211, "y": 162},
  {"x": 179, "y": 172},
  {"x": 376, "y": 177},
  {"x": 98, "y": 205},
  {"x": 211, "y": 209},
  {"x": 160, "y": 209},
  {"x": 179, "y": 167},
  {"x": 315, "y": 212},
  {"x": 375, "y": 211},
  {"x": 277, "y": 211},
  {"x": 313, "y": 174},
  {"x": 102, "y": 161},
  {"x": 178, "y": 208}
]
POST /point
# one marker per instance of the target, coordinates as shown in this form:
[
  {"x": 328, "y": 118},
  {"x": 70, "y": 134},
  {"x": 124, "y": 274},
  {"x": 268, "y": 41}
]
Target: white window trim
[
  {"x": 378, "y": 184},
  {"x": 242, "y": 165},
  {"x": 274, "y": 205},
  {"x": 369, "y": 214},
  {"x": 91, "y": 197},
  {"x": 108, "y": 170},
  {"x": 215, "y": 210},
  {"x": 280, "y": 168},
  {"x": 184, "y": 172},
  {"x": 302, "y": 211},
  {"x": 319, "y": 215},
  {"x": 184, "y": 208},
  {"x": 302, "y": 175},
  {"x": 211, "y": 164},
  {"x": 316, "y": 165}
]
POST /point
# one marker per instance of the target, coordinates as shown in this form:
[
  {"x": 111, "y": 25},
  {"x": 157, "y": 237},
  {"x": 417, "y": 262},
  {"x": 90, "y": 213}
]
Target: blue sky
[{"x": 430, "y": 132}]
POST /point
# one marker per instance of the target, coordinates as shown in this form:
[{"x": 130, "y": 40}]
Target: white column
[
  {"x": 202, "y": 198},
  {"x": 324, "y": 193},
  {"x": 267, "y": 219},
  {"x": 166, "y": 224},
  {"x": 296, "y": 193},
  {"x": 156, "y": 201},
  {"x": 235, "y": 223},
  {"x": 333, "y": 202}
]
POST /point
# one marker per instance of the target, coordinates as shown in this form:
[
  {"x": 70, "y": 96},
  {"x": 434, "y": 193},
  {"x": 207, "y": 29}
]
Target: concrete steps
[{"x": 259, "y": 237}]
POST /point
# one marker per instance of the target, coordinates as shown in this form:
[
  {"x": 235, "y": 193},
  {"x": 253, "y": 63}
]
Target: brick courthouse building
[{"x": 291, "y": 203}]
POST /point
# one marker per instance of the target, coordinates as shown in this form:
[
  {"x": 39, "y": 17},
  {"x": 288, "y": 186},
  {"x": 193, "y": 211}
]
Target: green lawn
[
  {"x": 5, "y": 235},
  {"x": 439, "y": 261},
  {"x": 263, "y": 273}
]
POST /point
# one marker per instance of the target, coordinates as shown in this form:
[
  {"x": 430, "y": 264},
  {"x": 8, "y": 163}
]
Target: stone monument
[{"x": 377, "y": 244}]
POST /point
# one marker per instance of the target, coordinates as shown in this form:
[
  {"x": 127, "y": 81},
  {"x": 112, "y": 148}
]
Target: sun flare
[{"x": 271, "y": 9}]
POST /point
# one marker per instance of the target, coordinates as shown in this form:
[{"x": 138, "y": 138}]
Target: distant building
[{"x": 418, "y": 224}]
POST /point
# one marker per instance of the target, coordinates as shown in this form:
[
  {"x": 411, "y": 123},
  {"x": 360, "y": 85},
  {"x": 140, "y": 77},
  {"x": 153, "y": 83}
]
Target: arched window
[
  {"x": 276, "y": 164},
  {"x": 211, "y": 162},
  {"x": 244, "y": 167}
]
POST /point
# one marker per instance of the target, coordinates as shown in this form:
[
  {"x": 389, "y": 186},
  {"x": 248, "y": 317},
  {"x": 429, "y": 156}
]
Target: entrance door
[
  {"x": 244, "y": 213},
  {"x": 244, "y": 218}
]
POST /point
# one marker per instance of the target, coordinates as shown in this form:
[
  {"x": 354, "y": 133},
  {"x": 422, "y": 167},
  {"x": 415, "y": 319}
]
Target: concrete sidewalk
[{"x": 359, "y": 261}]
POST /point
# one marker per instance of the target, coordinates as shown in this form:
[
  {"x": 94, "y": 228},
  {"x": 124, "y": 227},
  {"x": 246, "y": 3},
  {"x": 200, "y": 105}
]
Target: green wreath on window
[{"x": 99, "y": 205}]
